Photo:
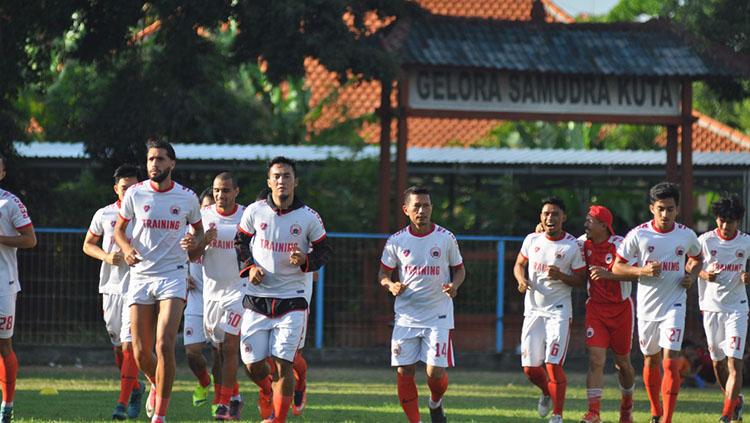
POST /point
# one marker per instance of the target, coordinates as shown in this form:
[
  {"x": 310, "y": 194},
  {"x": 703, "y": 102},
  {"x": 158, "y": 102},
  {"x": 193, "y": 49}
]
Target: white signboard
[{"x": 488, "y": 91}]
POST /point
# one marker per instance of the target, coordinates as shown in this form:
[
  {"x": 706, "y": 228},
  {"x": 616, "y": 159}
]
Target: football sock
[
  {"x": 217, "y": 393},
  {"x": 626, "y": 402},
  {"x": 670, "y": 387},
  {"x": 538, "y": 376},
  {"x": 204, "y": 378},
  {"x": 652, "y": 381},
  {"x": 161, "y": 405},
  {"x": 407, "y": 396},
  {"x": 128, "y": 376},
  {"x": 281, "y": 407},
  {"x": 8, "y": 371},
  {"x": 557, "y": 384},
  {"x": 437, "y": 387},
  {"x": 595, "y": 399},
  {"x": 226, "y": 395},
  {"x": 729, "y": 405},
  {"x": 300, "y": 370},
  {"x": 118, "y": 357}
]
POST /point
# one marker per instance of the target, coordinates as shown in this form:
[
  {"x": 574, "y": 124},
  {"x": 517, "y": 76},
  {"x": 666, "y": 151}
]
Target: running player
[
  {"x": 426, "y": 256},
  {"x": 658, "y": 251},
  {"x": 222, "y": 290},
  {"x": 281, "y": 242},
  {"x": 16, "y": 231},
  {"x": 555, "y": 265},
  {"x": 194, "y": 336},
  {"x": 609, "y": 315},
  {"x": 723, "y": 300},
  {"x": 161, "y": 210},
  {"x": 114, "y": 278}
]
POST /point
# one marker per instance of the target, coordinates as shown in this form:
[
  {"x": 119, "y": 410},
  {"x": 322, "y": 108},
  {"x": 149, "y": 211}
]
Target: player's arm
[
  {"x": 519, "y": 271},
  {"x": 459, "y": 276},
  {"x": 121, "y": 238},
  {"x": 197, "y": 246},
  {"x": 321, "y": 253},
  {"x": 577, "y": 279},
  {"x": 622, "y": 268},
  {"x": 384, "y": 276},
  {"x": 599, "y": 272},
  {"x": 692, "y": 269},
  {"x": 26, "y": 238},
  {"x": 92, "y": 249}
]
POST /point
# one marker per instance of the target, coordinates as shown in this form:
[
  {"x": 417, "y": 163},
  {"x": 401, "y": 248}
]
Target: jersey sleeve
[
  {"x": 577, "y": 262},
  {"x": 317, "y": 231},
  {"x": 20, "y": 216},
  {"x": 454, "y": 253},
  {"x": 628, "y": 249},
  {"x": 694, "y": 247},
  {"x": 194, "y": 213},
  {"x": 525, "y": 247},
  {"x": 246, "y": 222},
  {"x": 389, "y": 259},
  {"x": 96, "y": 227},
  {"x": 127, "y": 208}
]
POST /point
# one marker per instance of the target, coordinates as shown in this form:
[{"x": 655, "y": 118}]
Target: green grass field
[{"x": 343, "y": 395}]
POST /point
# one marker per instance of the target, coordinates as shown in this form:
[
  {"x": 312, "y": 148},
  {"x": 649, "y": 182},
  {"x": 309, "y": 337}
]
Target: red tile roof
[
  {"x": 356, "y": 100},
  {"x": 711, "y": 135}
]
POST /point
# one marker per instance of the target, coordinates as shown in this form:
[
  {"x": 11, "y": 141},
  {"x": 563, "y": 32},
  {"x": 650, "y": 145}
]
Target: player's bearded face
[
  {"x": 159, "y": 165},
  {"x": 282, "y": 181}
]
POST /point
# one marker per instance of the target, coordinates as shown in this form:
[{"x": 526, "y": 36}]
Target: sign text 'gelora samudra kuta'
[{"x": 493, "y": 91}]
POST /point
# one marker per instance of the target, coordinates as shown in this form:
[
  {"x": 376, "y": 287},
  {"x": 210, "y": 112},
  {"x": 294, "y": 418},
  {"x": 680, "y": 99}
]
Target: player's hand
[
  {"x": 210, "y": 235},
  {"x": 188, "y": 242},
  {"x": 539, "y": 228},
  {"x": 255, "y": 276},
  {"x": 687, "y": 281},
  {"x": 396, "y": 288},
  {"x": 297, "y": 258},
  {"x": 523, "y": 286},
  {"x": 115, "y": 258},
  {"x": 191, "y": 283},
  {"x": 450, "y": 290},
  {"x": 132, "y": 258},
  {"x": 652, "y": 270},
  {"x": 745, "y": 277},
  {"x": 709, "y": 276},
  {"x": 598, "y": 272},
  {"x": 555, "y": 273}
]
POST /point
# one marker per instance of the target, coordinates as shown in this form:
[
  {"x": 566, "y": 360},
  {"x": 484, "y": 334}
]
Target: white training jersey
[
  {"x": 423, "y": 263},
  {"x": 194, "y": 306},
  {"x": 220, "y": 269},
  {"x": 13, "y": 216},
  {"x": 645, "y": 244},
  {"x": 112, "y": 279},
  {"x": 729, "y": 258},
  {"x": 160, "y": 222},
  {"x": 546, "y": 296},
  {"x": 275, "y": 236}
]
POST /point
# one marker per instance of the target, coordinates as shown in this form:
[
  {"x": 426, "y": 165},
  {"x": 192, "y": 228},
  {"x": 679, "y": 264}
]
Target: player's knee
[
  {"x": 165, "y": 347},
  {"x": 596, "y": 362},
  {"x": 555, "y": 373},
  {"x": 435, "y": 372},
  {"x": 406, "y": 370}
]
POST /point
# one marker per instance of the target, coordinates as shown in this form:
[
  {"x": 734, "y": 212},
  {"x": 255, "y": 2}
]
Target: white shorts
[
  {"x": 194, "y": 303},
  {"x": 663, "y": 334},
  {"x": 544, "y": 340},
  {"x": 302, "y": 341},
  {"x": 725, "y": 334},
  {"x": 150, "y": 290},
  {"x": 222, "y": 317},
  {"x": 7, "y": 315},
  {"x": 264, "y": 336},
  {"x": 116, "y": 318},
  {"x": 432, "y": 346},
  {"x": 193, "y": 332}
]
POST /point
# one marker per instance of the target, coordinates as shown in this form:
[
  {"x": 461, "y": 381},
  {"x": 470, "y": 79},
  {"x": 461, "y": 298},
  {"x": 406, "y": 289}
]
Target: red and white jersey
[
  {"x": 729, "y": 258},
  {"x": 13, "y": 216},
  {"x": 645, "y": 244},
  {"x": 194, "y": 306},
  {"x": 112, "y": 279},
  {"x": 160, "y": 220},
  {"x": 275, "y": 237},
  {"x": 423, "y": 263},
  {"x": 550, "y": 297},
  {"x": 221, "y": 276},
  {"x": 605, "y": 291}
]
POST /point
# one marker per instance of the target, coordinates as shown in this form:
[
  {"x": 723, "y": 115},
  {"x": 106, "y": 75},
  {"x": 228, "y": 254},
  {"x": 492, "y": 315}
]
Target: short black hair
[
  {"x": 208, "y": 192},
  {"x": 728, "y": 207},
  {"x": 227, "y": 176},
  {"x": 125, "y": 171},
  {"x": 285, "y": 161},
  {"x": 164, "y": 145},
  {"x": 415, "y": 190},
  {"x": 555, "y": 201},
  {"x": 263, "y": 194},
  {"x": 663, "y": 191}
]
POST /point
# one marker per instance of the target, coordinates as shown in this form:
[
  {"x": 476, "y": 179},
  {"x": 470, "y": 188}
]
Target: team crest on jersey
[
  {"x": 212, "y": 225},
  {"x": 650, "y": 248},
  {"x": 174, "y": 210},
  {"x": 295, "y": 230},
  {"x": 396, "y": 349},
  {"x": 589, "y": 252},
  {"x": 680, "y": 250},
  {"x": 435, "y": 252},
  {"x": 608, "y": 258},
  {"x": 248, "y": 349},
  {"x": 188, "y": 331},
  {"x": 406, "y": 253},
  {"x": 112, "y": 335},
  {"x": 112, "y": 223},
  {"x": 713, "y": 253},
  {"x": 559, "y": 254},
  {"x": 146, "y": 208},
  {"x": 263, "y": 226},
  {"x": 589, "y": 332},
  {"x": 536, "y": 249},
  {"x": 740, "y": 254}
]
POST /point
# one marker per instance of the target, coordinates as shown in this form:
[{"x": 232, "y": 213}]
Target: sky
[{"x": 592, "y": 7}]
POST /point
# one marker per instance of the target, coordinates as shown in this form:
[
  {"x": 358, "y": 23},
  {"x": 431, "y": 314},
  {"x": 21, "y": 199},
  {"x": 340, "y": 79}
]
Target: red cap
[{"x": 603, "y": 215}]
